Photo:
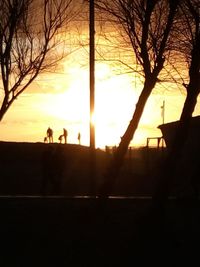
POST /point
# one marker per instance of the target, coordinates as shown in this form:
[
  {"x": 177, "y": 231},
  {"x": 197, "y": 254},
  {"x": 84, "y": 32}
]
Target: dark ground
[
  {"x": 66, "y": 231},
  {"x": 80, "y": 232},
  {"x": 21, "y": 171}
]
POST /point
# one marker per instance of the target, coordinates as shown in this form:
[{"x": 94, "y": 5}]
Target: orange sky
[{"x": 62, "y": 100}]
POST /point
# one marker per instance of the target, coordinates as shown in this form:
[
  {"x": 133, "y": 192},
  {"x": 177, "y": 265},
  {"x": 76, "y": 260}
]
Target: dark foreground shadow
[{"x": 75, "y": 232}]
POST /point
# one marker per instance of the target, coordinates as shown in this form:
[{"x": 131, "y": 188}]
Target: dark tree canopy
[{"x": 30, "y": 33}]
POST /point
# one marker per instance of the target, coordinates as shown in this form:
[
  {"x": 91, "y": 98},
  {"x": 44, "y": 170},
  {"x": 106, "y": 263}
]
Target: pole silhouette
[
  {"x": 92, "y": 98},
  {"x": 92, "y": 74}
]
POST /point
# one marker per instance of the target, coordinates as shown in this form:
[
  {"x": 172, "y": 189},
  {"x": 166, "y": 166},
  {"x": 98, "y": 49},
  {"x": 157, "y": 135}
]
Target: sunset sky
[{"x": 61, "y": 100}]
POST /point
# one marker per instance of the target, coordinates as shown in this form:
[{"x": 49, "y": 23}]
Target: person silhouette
[
  {"x": 60, "y": 138},
  {"x": 79, "y": 138},
  {"x": 50, "y": 135},
  {"x": 65, "y": 134}
]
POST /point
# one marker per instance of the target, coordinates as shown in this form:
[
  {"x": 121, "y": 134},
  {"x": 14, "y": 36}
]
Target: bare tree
[
  {"x": 31, "y": 32},
  {"x": 148, "y": 25},
  {"x": 191, "y": 49},
  {"x": 188, "y": 42}
]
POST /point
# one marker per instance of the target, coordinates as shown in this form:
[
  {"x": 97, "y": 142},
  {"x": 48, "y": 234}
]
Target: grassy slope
[{"x": 21, "y": 170}]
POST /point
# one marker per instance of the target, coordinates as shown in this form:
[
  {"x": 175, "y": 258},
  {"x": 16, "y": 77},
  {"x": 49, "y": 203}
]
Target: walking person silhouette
[
  {"x": 79, "y": 138},
  {"x": 65, "y": 134},
  {"x": 50, "y": 135},
  {"x": 60, "y": 138}
]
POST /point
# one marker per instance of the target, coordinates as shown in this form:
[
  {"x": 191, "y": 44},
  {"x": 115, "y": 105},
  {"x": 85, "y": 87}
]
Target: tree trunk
[
  {"x": 4, "y": 107},
  {"x": 166, "y": 174},
  {"x": 118, "y": 158}
]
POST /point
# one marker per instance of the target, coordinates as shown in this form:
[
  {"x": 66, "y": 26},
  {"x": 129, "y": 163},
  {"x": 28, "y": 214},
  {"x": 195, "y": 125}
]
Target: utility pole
[
  {"x": 163, "y": 118},
  {"x": 163, "y": 112},
  {"x": 92, "y": 166},
  {"x": 92, "y": 74}
]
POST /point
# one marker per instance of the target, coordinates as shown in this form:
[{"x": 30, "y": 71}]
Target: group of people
[{"x": 49, "y": 136}]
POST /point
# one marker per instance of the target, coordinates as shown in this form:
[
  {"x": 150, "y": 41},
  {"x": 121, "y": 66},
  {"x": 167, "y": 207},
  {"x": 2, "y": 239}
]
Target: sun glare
[
  {"x": 92, "y": 119},
  {"x": 114, "y": 102},
  {"x": 64, "y": 102}
]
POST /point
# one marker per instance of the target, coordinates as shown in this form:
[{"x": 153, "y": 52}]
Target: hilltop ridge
[{"x": 21, "y": 170}]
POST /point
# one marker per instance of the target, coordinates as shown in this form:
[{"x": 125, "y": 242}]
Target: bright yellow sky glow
[{"x": 61, "y": 100}]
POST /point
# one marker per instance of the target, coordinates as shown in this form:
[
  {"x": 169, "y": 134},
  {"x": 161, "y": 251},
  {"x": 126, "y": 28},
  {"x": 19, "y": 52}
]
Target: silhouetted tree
[
  {"x": 191, "y": 49},
  {"x": 148, "y": 25},
  {"x": 188, "y": 44},
  {"x": 30, "y": 33}
]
